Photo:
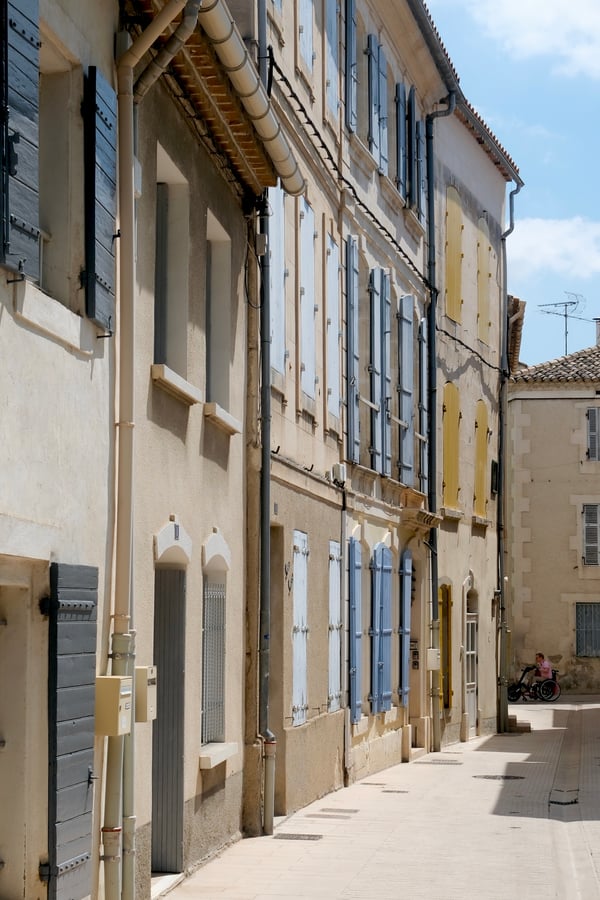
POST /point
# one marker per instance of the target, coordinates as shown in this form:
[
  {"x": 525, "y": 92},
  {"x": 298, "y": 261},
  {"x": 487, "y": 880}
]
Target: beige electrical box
[
  {"x": 145, "y": 693},
  {"x": 114, "y": 696},
  {"x": 433, "y": 659}
]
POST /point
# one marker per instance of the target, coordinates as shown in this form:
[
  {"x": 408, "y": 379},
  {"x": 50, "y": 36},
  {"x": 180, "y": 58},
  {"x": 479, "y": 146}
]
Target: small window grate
[{"x": 213, "y": 663}]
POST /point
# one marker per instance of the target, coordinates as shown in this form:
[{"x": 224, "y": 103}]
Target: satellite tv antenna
[{"x": 568, "y": 308}]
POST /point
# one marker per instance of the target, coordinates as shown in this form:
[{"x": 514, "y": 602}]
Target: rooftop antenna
[{"x": 568, "y": 308}]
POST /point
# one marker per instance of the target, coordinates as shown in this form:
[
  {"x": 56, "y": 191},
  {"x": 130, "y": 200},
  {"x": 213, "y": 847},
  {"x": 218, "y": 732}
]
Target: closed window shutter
[
  {"x": 375, "y": 368},
  {"x": 375, "y": 630},
  {"x": 277, "y": 277},
  {"x": 351, "y": 67},
  {"x": 406, "y": 389},
  {"x": 386, "y": 369},
  {"x": 100, "y": 130},
  {"x": 424, "y": 405},
  {"x": 593, "y": 415},
  {"x": 19, "y": 80},
  {"x": 72, "y": 612},
  {"x": 401, "y": 162},
  {"x": 420, "y": 187},
  {"x": 590, "y": 534},
  {"x": 411, "y": 151},
  {"x": 352, "y": 351},
  {"x": 404, "y": 629},
  {"x": 213, "y": 662},
  {"x": 300, "y": 629},
  {"x": 332, "y": 55},
  {"x": 587, "y": 625},
  {"x": 481, "y": 452},
  {"x": 381, "y": 629},
  {"x": 373, "y": 93},
  {"x": 382, "y": 112},
  {"x": 306, "y": 32},
  {"x": 335, "y": 627},
  {"x": 355, "y": 628},
  {"x": 307, "y": 300},
  {"x": 333, "y": 327}
]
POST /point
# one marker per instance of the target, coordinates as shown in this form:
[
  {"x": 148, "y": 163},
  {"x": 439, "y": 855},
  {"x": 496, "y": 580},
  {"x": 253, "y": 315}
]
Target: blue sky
[{"x": 531, "y": 69}]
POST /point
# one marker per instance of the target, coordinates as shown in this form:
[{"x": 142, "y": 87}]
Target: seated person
[{"x": 542, "y": 671}]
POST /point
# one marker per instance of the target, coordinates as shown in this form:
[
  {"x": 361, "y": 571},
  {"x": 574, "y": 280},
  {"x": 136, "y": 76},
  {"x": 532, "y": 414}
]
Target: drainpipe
[
  {"x": 268, "y": 738},
  {"x": 118, "y": 831},
  {"x": 432, "y": 394},
  {"x": 504, "y": 374}
]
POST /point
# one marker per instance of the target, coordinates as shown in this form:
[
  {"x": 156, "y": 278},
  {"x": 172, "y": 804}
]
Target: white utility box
[
  {"x": 433, "y": 659},
  {"x": 145, "y": 693},
  {"x": 114, "y": 696}
]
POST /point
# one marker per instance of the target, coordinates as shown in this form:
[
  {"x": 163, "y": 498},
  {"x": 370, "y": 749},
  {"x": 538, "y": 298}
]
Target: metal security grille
[
  {"x": 213, "y": 663},
  {"x": 587, "y": 616}
]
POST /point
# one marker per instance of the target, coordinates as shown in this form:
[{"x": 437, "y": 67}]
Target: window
[
  {"x": 406, "y": 577},
  {"x": 484, "y": 276},
  {"x": 381, "y": 629},
  {"x": 593, "y": 424},
  {"x": 335, "y": 627},
  {"x": 377, "y": 87},
  {"x": 379, "y": 369},
  {"x": 352, "y": 349},
  {"x": 451, "y": 421},
  {"x": 454, "y": 231},
  {"x": 423, "y": 406},
  {"x": 587, "y": 629},
  {"x": 481, "y": 456},
  {"x": 355, "y": 627},
  {"x": 213, "y": 662},
  {"x": 306, "y": 268},
  {"x": 333, "y": 328},
  {"x": 218, "y": 314},
  {"x": 351, "y": 84},
  {"x": 305, "y": 29},
  {"x": 171, "y": 265},
  {"x": 278, "y": 277},
  {"x": 300, "y": 629},
  {"x": 405, "y": 390},
  {"x": 591, "y": 521},
  {"x": 445, "y": 613},
  {"x": 401, "y": 141},
  {"x": 331, "y": 56}
]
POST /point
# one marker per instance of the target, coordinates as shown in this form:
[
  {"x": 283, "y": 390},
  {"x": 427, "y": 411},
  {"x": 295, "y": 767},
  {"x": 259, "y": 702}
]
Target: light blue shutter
[
  {"x": 300, "y": 629},
  {"x": 411, "y": 150},
  {"x": 381, "y": 629},
  {"x": 404, "y": 629},
  {"x": 420, "y": 145},
  {"x": 306, "y": 31},
  {"x": 401, "y": 139},
  {"x": 333, "y": 327},
  {"x": 375, "y": 629},
  {"x": 375, "y": 368},
  {"x": 386, "y": 381},
  {"x": 373, "y": 93},
  {"x": 424, "y": 405},
  {"x": 590, "y": 534},
  {"x": 351, "y": 91},
  {"x": 405, "y": 387},
  {"x": 355, "y": 628},
  {"x": 382, "y": 112},
  {"x": 335, "y": 627},
  {"x": 592, "y": 417},
  {"x": 352, "y": 351},
  {"x": 277, "y": 277},
  {"x": 307, "y": 299},
  {"x": 331, "y": 60}
]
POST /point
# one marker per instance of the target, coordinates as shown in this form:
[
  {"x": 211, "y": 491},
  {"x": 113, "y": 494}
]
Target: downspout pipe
[
  {"x": 268, "y": 738},
  {"x": 500, "y": 522},
  {"x": 118, "y": 831},
  {"x": 160, "y": 63},
  {"x": 450, "y": 102}
]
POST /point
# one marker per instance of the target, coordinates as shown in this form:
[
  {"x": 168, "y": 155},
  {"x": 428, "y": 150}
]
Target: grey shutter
[
  {"x": 277, "y": 277},
  {"x": 20, "y": 137},
  {"x": 404, "y": 629},
  {"x": 331, "y": 51},
  {"x": 373, "y": 94},
  {"x": 351, "y": 67},
  {"x": 375, "y": 629},
  {"x": 100, "y": 130},
  {"x": 593, "y": 422},
  {"x": 306, "y": 33},
  {"x": 420, "y": 168},
  {"x": 411, "y": 151},
  {"x": 335, "y": 627},
  {"x": 375, "y": 368},
  {"x": 423, "y": 406},
  {"x": 161, "y": 319},
  {"x": 382, "y": 112},
  {"x": 590, "y": 534},
  {"x": 355, "y": 628},
  {"x": 307, "y": 299},
  {"x": 333, "y": 327},
  {"x": 381, "y": 629},
  {"x": 352, "y": 351},
  {"x": 72, "y": 611},
  {"x": 300, "y": 629},
  {"x": 386, "y": 379},
  {"x": 401, "y": 139},
  {"x": 405, "y": 388},
  {"x": 587, "y": 627},
  {"x": 213, "y": 662}
]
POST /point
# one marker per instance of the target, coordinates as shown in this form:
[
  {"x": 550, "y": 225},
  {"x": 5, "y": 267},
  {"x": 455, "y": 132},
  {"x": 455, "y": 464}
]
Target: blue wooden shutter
[
  {"x": 386, "y": 380},
  {"x": 277, "y": 277},
  {"x": 401, "y": 139},
  {"x": 375, "y": 368},
  {"x": 331, "y": 62},
  {"x": 424, "y": 406},
  {"x": 352, "y": 350},
  {"x": 373, "y": 94},
  {"x": 381, "y": 629},
  {"x": 375, "y": 629},
  {"x": 72, "y": 611},
  {"x": 382, "y": 112},
  {"x": 19, "y": 80},
  {"x": 333, "y": 327},
  {"x": 100, "y": 130},
  {"x": 593, "y": 417},
  {"x": 307, "y": 299},
  {"x": 355, "y": 628},
  {"x": 306, "y": 31},
  {"x": 404, "y": 629},
  {"x": 335, "y": 627},
  {"x": 351, "y": 92},
  {"x": 300, "y": 629},
  {"x": 411, "y": 152},
  {"x": 405, "y": 387}
]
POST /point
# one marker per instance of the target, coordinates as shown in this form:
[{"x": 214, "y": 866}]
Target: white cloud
[
  {"x": 561, "y": 246},
  {"x": 567, "y": 34}
]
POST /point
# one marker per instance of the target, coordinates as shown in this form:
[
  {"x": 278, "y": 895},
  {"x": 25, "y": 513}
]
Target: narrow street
[{"x": 501, "y": 817}]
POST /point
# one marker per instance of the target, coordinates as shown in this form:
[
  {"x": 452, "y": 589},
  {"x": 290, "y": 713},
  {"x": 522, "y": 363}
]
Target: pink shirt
[{"x": 545, "y": 669}]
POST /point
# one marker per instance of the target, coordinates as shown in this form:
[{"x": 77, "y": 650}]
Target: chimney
[{"x": 597, "y": 321}]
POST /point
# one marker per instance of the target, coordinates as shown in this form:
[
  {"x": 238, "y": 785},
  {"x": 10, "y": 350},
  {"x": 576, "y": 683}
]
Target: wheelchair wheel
[
  {"x": 513, "y": 692},
  {"x": 549, "y": 690}
]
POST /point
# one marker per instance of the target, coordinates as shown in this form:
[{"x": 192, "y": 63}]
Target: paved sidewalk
[{"x": 500, "y": 817}]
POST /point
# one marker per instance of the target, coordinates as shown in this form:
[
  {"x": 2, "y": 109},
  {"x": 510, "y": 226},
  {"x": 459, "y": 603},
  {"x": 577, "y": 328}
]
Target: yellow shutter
[
  {"x": 483, "y": 281},
  {"x": 451, "y": 445},
  {"x": 481, "y": 446},
  {"x": 454, "y": 255}
]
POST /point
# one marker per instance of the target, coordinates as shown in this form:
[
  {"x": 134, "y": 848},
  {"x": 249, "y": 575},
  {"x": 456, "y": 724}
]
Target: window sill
[
  {"x": 480, "y": 522},
  {"x": 222, "y": 419},
  {"x": 413, "y": 224},
  {"x": 212, "y": 755},
  {"x": 51, "y": 318},
  {"x": 175, "y": 385},
  {"x": 454, "y": 515}
]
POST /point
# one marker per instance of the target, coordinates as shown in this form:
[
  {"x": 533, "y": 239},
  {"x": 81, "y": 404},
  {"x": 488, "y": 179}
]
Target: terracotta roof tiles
[{"x": 582, "y": 366}]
